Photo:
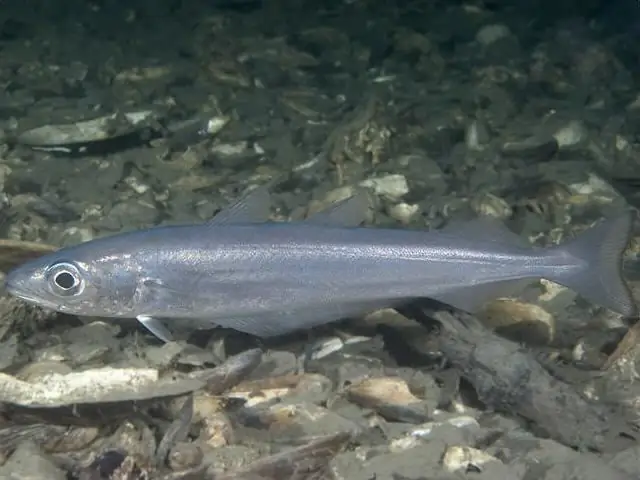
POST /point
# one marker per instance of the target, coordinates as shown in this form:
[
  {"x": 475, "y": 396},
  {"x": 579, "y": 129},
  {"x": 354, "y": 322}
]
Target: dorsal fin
[
  {"x": 253, "y": 207},
  {"x": 485, "y": 229},
  {"x": 350, "y": 212}
]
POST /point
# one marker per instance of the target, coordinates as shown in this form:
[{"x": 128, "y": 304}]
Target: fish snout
[
  {"x": 18, "y": 284},
  {"x": 11, "y": 283}
]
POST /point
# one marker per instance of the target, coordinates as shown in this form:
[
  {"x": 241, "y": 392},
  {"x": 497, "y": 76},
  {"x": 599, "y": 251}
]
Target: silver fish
[{"x": 265, "y": 278}]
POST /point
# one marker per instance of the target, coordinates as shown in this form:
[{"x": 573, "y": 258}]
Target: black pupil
[{"x": 65, "y": 280}]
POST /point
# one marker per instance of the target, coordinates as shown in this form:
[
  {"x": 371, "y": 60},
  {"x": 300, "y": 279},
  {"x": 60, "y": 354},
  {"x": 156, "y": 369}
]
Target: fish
[{"x": 240, "y": 270}]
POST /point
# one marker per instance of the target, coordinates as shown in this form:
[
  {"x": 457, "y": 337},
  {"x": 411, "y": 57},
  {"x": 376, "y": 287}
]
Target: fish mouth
[
  {"x": 12, "y": 289},
  {"x": 15, "y": 291},
  {"x": 26, "y": 298},
  {"x": 39, "y": 302},
  {"x": 15, "y": 286}
]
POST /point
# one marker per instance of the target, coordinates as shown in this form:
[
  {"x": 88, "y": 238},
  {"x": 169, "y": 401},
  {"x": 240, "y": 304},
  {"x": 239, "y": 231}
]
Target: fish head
[{"x": 79, "y": 280}]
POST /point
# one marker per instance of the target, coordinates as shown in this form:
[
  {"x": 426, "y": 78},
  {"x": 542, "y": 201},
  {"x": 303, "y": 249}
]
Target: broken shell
[
  {"x": 165, "y": 355},
  {"x": 135, "y": 439},
  {"x": 459, "y": 458},
  {"x": 288, "y": 420},
  {"x": 390, "y": 397},
  {"x": 426, "y": 429},
  {"x": 33, "y": 371},
  {"x": 403, "y": 212},
  {"x": 534, "y": 148},
  {"x": 208, "y": 126},
  {"x": 546, "y": 197},
  {"x": 489, "y": 34},
  {"x": 16, "y": 252},
  {"x": 62, "y": 136},
  {"x": 307, "y": 461},
  {"x": 176, "y": 433},
  {"x": 93, "y": 386},
  {"x": 476, "y": 136},
  {"x": 51, "y": 438},
  {"x": 105, "y": 464},
  {"x": 231, "y": 372},
  {"x": 520, "y": 321},
  {"x": 217, "y": 430},
  {"x": 255, "y": 392},
  {"x": 556, "y": 296},
  {"x": 324, "y": 347},
  {"x": 392, "y": 186},
  {"x": 490, "y": 205},
  {"x": 572, "y": 134},
  {"x": 373, "y": 391},
  {"x": 204, "y": 406},
  {"x": 72, "y": 439},
  {"x": 403, "y": 443},
  {"x": 594, "y": 190},
  {"x": 332, "y": 197},
  {"x": 388, "y": 317},
  {"x": 185, "y": 455}
]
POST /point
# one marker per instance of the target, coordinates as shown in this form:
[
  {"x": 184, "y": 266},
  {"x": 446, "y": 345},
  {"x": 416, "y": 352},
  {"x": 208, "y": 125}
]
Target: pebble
[
  {"x": 8, "y": 352},
  {"x": 165, "y": 355},
  {"x": 83, "y": 354},
  {"x": 492, "y": 33},
  {"x": 95, "y": 333},
  {"x": 75, "y": 235},
  {"x": 132, "y": 213},
  {"x": 535, "y": 148},
  {"x": 185, "y": 455},
  {"x": 476, "y": 136},
  {"x": 217, "y": 430},
  {"x": 29, "y": 463},
  {"x": 333, "y": 196},
  {"x": 460, "y": 459},
  {"x": 520, "y": 321},
  {"x": 571, "y": 135},
  {"x": 137, "y": 186}
]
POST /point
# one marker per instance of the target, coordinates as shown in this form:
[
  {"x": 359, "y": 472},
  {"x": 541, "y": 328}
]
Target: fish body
[{"x": 266, "y": 278}]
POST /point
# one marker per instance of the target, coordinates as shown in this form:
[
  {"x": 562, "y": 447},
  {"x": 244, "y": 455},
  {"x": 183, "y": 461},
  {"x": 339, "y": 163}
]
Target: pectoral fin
[{"x": 156, "y": 327}]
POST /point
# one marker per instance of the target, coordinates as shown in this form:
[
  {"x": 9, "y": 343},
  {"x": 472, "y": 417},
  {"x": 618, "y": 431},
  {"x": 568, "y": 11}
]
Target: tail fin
[{"x": 601, "y": 249}]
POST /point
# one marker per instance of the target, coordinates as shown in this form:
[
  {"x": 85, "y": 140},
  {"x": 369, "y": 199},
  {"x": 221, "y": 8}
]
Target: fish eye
[{"x": 65, "y": 279}]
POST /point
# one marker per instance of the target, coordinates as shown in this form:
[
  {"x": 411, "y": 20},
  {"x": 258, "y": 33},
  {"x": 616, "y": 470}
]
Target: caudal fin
[{"x": 601, "y": 249}]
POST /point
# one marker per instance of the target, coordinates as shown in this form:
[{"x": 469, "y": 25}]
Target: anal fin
[
  {"x": 471, "y": 299},
  {"x": 272, "y": 324}
]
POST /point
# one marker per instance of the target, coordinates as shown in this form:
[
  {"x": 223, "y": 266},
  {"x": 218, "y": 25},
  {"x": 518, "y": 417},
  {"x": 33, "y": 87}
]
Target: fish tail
[{"x": 601, "y": 250}]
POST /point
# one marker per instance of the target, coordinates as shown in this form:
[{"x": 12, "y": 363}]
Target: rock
[
  {"x": 393, "y": 186},
  {"x": 29, "y": 463},
  {"x": 492, "y": 33}
]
